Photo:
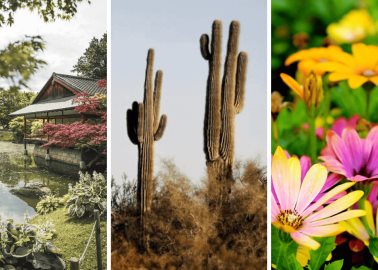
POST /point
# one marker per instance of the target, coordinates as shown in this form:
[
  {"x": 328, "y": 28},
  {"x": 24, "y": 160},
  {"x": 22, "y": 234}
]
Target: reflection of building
[{"x": 55, "y": 104}]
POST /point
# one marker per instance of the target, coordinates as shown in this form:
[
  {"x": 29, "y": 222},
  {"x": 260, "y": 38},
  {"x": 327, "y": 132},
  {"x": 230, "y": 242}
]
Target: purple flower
[{"x": 351, "y": 156}]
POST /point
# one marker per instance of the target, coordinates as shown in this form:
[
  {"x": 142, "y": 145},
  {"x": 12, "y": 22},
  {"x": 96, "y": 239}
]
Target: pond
[{"x": 16, "y": 172}]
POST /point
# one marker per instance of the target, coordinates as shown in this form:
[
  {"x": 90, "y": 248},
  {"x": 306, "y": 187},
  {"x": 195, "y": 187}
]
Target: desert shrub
[
  {"x": 28, "y": 246},
  {"x": 87, "y": 195},
  {"x": 49, "y": 203},
  {"x": 185, "y": 233}
]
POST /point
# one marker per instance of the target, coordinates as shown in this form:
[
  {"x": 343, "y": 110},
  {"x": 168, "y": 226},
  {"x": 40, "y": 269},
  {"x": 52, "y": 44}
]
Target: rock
[{"x": 32, "y": 190}]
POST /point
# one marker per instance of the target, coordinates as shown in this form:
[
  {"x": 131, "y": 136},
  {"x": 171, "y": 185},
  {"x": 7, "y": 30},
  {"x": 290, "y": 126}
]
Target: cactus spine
[
  {"x": 144, "y": 127},
  {"x": 224, "y": 99}
]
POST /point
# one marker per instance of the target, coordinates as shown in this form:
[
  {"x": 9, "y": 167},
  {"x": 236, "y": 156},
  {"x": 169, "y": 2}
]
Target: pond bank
[
  {"x": 16, "y": 172},
  {"x": 72, "y": 236}
]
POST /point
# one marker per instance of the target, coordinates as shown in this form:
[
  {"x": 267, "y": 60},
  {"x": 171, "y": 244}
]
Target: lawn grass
[{"x": 72, "y": 236}]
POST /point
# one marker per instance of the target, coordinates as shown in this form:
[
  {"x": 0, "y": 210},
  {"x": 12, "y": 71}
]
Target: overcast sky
[
  {"x": 173, "y": 29},
  {"x": 66, "y": 41}
]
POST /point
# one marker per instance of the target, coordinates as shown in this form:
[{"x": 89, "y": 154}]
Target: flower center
[
  {"x": 290, "y": 218},
  {"x": 368, "y": 73}
]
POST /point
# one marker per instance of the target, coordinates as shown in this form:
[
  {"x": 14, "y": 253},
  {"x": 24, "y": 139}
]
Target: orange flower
[
  {"x": 312, "y": 90},
  {"x": 310, "y": 58}
]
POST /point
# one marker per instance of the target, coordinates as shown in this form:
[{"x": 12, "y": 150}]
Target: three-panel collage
[{"x": 193, "y": 135}]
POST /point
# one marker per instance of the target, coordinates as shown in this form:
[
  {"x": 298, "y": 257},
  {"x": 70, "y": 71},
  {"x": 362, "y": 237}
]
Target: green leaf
[
  {"x": 284, "y": 251},
  {"x": 336, "y": 265},
  {"x": 363, "y": 267},
  {"x": 319, "y": 256},
  {"x": 373, "y": 246}
]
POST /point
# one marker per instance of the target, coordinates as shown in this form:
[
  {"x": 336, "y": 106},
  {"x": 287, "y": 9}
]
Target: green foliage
[
  {"x": 363, "y": 267},
  {"x": 373, "y": 246},
  {"x": 17, "y": 127},
  {"x": 49, "y": 203},
  {"x": 290, "y": 17},
  {"x": 336, "y": 265},
  {"x": 36, "y": 128},
  {"x": 93, "y": 63},
  {"x": 87, "y": 195},
  {"x": 48, "y": 10},
  {"x": 284, "y": 251},
  {"x": 28, "y": 245},
  {"x": 19, "y": 61},
  {"x": 12, "y": 100},
  {"x": 319, "y": 256}
]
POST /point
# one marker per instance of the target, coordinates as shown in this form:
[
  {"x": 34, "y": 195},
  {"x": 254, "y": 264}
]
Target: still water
[{"x": 16, "y": 172}]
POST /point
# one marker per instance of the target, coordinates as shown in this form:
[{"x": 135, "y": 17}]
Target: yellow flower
[
  {"x": 312, "y": 90},
  {"x": 356, "y": 227},
  {"x": 358, "y": 68},
  {"x": 310, "y": 58},
  {"x": 353, "y": 27}
]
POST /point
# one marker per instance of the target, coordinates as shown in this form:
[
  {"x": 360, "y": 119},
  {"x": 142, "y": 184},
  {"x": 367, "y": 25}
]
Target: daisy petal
[
  {"x": 337, "y": 218},
  {"x": 293, "y": 181},
  {"x": 329, "y": 195},
  {"x": 304, "y": 240},
  {"x": 311, "y": 186},
  {"x": 279, "y": 176},
  {"x": 337, "y": 206},
  {"x": 323, "y": 231},
  {"x": 356, "y": 81}
]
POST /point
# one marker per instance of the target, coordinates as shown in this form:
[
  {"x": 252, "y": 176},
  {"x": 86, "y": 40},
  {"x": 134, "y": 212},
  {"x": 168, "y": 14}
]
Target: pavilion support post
[{"x": 25, "y": 146}]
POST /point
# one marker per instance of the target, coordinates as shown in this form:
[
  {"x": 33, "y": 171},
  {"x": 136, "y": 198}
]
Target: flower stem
[
  {"x": 312, "y": 134},
  {"x": 275, "y": 131},
  {"x": 368, "y": 94}
]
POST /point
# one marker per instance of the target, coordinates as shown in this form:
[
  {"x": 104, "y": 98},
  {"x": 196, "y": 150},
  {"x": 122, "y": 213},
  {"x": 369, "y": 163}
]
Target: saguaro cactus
[
  {"x": 224, "y": 99},
  {"x": 144, "y": 127}
]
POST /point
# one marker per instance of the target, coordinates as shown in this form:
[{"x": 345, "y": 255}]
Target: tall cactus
[
  {"x": 144, "y": 127},
  {"x": 224, "y": 99}
]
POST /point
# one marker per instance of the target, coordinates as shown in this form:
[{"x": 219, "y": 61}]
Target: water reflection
[{"x": 17, "y": 171}]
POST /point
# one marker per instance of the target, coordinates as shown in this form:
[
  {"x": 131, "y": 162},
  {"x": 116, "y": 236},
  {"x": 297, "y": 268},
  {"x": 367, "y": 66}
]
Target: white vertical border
[
  {"x": 268, "y": 129},
  {"x": 109, "y": 134}
]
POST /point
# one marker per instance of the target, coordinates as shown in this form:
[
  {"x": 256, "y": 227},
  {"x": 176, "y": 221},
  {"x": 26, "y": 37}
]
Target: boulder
[{"x": 32, "y": 190}]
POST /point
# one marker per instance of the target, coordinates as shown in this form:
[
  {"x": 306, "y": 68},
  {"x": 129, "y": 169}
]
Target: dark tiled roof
[{"x": 81, "y": 84}]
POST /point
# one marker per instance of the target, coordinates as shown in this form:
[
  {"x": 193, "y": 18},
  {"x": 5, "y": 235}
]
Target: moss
[
  {"x": 72, "y": 236},
  {"x": 6, "y": 136}
]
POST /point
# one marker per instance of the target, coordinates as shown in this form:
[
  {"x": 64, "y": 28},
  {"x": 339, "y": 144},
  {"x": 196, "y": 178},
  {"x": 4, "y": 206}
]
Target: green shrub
[
  {"x": 17, "y": 127},
  {"x": 87, "y": 195},
  {"x": 49, "y": 203},
  {"x": 36, "y": 128},
  {"x": 28, "y": 246}
]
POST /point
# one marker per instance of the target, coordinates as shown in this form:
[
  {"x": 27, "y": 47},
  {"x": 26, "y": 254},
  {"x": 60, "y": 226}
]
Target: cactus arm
[
  {"x": 161, "y": 127},
  {"x": 131, "y": 123},
  {"x": 204, "y": 45},
  {"x": 157, "y": 95},
  {"x": 141, "y": 123},
  {"x": 241, "y": 74}
]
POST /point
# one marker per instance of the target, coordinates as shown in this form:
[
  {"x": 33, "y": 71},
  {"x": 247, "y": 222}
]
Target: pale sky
[
  {"x": 173, "y": 29},
  {"x": 65, "y": 41}
]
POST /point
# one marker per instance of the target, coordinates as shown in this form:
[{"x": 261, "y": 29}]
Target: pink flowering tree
[{"x": 87, "y": 134}]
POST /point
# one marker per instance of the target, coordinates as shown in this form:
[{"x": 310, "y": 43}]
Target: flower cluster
[{"x": 325, "y": 183}]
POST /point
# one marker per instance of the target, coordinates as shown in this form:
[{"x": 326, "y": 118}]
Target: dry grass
[{"x": 185, "y": 233}]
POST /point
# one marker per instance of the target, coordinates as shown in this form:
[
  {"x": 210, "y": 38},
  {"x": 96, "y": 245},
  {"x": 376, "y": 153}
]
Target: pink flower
[
  {"x": 294, "y": 210},
  {"x": 341, "y": 123},
  {"x": 351, "y": 156}
]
